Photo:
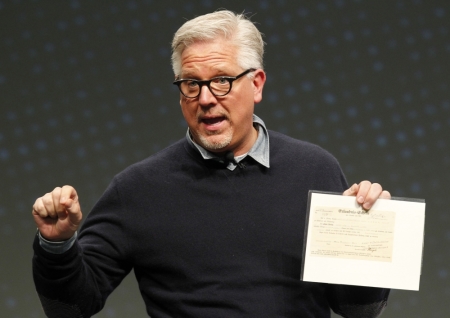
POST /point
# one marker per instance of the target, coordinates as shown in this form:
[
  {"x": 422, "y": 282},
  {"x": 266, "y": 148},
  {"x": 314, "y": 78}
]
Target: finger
[
  {"x": 373, "y": 194},
  {"x": 41, "y": 217},
  {"x": 59, "y": 208},
  {"x": 39, "y": 208},
  {"x": 68, "y": 193},
  {"x": 49, "y": 204},
  {"x": 385, "y": 195},
  {"x": 364, "y": 187},
  {"x": 69, "y": 198},
  {"x": 60, "y": 201},
  {"x": 352, "y": 190}
]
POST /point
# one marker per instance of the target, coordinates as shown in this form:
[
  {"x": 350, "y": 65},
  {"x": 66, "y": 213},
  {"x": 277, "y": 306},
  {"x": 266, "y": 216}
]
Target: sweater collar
[{"x": 259, "y": 151}]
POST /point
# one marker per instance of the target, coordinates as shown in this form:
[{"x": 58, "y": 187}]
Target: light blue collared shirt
[{"x": 56, "y": 247}]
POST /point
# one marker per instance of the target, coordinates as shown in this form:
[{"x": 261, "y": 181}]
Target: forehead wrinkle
[
  {"x": 196, "y": 57},
  {"x": 218, "y": 66},
  {"x": 224, "y": 59}
]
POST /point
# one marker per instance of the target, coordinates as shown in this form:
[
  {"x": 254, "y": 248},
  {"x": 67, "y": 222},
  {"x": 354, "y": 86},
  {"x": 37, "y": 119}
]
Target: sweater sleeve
[
  {"x": 62, "y": 283},
  {"x": 357, "y": 301},
  {"x": 76, "y": 283}
]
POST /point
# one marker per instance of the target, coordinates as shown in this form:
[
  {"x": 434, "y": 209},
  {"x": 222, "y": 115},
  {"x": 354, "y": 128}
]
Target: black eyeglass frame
[{"x": 230, "y": 80}]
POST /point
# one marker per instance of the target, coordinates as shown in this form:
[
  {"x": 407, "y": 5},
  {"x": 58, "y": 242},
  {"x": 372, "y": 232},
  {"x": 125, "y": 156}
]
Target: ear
[{"x": 259, "y": 78}]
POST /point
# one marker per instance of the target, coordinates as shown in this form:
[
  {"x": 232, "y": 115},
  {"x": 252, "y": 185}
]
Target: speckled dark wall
[{"x": 85, "y": 90}]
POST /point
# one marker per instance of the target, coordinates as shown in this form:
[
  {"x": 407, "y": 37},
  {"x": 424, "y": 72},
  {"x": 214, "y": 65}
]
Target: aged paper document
[
  {"x": 352, "y": 233},
  {"x": 345, "y": 244}
]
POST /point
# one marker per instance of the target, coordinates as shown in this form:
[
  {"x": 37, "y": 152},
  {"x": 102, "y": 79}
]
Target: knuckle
[
  {"x": 37, "y": 205},
  {"x": 37, "y": 201},
  {"x": 364, "y": 186},
  {"x": 47, "y": 200}
]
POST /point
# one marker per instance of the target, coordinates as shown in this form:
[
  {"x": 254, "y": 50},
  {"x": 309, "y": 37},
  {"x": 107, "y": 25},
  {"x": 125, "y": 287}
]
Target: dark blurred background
[{"x": 85, "y": 90}]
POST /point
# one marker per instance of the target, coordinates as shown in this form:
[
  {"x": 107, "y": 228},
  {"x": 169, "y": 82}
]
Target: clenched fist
[{"x": 57, "y": 214}]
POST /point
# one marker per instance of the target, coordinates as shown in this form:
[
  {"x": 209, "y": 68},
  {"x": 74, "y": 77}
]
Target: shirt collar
[{"x": 259, "y": 151}]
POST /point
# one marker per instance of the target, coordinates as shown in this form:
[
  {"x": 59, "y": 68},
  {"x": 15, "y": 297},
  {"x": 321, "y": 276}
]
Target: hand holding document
[{"x": 345, "y": 244}]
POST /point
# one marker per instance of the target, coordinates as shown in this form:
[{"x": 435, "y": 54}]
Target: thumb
[{"x": 72, "y": 211}]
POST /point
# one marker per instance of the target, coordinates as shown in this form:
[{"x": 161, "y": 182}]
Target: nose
[{"x": 206, "y": 98}]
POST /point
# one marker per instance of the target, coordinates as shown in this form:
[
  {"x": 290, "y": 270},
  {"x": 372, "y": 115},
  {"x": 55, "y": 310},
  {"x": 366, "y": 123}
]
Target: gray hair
[{"x": 236, "y": 28}]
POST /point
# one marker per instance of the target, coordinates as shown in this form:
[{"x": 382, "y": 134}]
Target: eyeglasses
[{"x": 218, "y": 86}]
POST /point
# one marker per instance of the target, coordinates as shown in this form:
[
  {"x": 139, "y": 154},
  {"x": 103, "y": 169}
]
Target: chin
[{"x": 215, "y": 143}]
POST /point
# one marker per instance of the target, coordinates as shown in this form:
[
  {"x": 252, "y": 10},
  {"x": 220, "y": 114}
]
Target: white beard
[{"x": 216, "y": 141}]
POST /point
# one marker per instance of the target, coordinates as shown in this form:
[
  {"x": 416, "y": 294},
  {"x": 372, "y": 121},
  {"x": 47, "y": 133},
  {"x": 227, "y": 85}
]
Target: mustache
[{"x": 202, "y": 115}]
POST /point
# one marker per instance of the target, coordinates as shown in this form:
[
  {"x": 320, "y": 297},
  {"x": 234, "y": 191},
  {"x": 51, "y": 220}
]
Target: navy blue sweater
[{"x": 204, "y": 241}]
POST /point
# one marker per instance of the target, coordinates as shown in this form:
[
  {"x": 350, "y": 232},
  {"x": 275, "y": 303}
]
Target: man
[{"x": 213, "y": 225}]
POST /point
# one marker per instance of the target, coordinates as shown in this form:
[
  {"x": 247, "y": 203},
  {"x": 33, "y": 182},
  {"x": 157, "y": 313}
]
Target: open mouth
[{"x": 213, "y": 121}]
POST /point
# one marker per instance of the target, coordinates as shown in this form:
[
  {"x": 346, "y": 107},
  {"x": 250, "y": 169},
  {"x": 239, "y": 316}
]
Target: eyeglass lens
[{"x": 218, "y": 86}]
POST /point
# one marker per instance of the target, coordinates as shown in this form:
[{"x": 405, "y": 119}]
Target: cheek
[
  {"x": 245, "y": 108},
  {"x": 188, "y": 111}
]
